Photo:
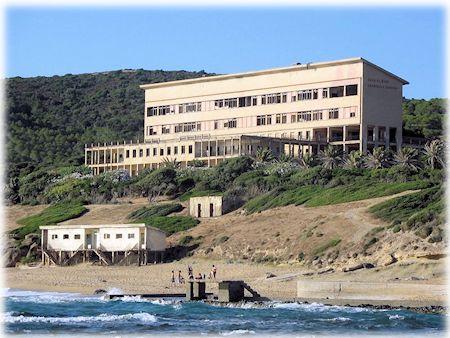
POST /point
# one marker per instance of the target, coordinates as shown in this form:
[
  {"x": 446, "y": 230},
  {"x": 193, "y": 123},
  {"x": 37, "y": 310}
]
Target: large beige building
[{"x": 350, "y": 103}]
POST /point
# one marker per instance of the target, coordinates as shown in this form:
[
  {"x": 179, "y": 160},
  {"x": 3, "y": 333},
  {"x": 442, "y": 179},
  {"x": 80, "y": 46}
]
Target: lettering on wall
[{"x": 380, "y": 83}]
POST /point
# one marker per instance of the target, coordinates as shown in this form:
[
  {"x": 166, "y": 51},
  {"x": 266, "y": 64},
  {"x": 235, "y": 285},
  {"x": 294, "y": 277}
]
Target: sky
[{"x": 408, "y": 41}]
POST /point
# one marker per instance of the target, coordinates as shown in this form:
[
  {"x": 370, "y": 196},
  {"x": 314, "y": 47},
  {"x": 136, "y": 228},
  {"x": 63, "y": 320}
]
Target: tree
[
  {"x": 284, "y": 158},
  {"x": 330, "y": 157},
  {"x": 407, "y": 157},
  {"x": 172, "y": 164},
  {"x": 377, "y": 159},
  {"x": 354, "y": 160},
  {"x": 434, "y": 153},
  {"x": 306, "y": 161}
]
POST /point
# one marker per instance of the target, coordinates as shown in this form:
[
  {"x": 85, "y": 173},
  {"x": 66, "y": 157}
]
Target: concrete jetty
[{"x": 229, "y": 291}]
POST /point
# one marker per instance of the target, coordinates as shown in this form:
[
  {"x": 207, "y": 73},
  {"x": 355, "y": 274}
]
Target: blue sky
[{"x": 408, "y": 41}]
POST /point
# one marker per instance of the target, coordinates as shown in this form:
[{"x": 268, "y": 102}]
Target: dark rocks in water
[{"x": 100, "y": 292}]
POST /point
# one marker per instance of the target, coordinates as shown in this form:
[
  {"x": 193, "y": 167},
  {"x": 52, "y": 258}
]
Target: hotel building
[{"x": 352, "y": 104}]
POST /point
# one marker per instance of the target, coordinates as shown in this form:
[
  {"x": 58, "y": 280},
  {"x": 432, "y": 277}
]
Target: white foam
[
  {"x": 9, "y": 317},
  {"x": 115, "y": 291},
  {"x": 337, "y": 319},
  {"x": 47, "y": 297},
  {"x": 392, "y": 317},
  {"x": 237, "y": 332}
]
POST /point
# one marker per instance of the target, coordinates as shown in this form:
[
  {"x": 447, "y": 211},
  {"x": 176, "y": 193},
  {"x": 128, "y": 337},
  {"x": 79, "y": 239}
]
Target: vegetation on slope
[
  {"x": 157, "y": 216},
  {"x": 53, "y": 214}
]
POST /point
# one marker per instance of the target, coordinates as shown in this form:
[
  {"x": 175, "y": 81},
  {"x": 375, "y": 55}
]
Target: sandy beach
[{"x": 86, "y": 278}]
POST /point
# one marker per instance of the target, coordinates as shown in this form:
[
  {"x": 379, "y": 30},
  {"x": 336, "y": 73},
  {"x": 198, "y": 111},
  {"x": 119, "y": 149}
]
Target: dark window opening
[
  {"x": 337, "y": 91},
  {"x": 351, "y": 90}
]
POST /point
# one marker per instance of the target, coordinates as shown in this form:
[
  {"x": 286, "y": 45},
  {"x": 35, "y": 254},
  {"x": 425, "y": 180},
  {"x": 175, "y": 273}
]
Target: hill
[{"x": 50, "y": 119}]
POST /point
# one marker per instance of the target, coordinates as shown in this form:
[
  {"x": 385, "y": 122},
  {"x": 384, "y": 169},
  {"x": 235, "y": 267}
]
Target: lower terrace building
[
  {"x": 352, "y": 104},
  {"x": 108, "y": 244}
]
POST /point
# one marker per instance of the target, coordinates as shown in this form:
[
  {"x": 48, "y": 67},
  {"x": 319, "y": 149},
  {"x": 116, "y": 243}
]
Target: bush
[
  {"x": 330, "y": 244},
  {"x": 53, "y": 214},
  {"x": 143, "y": 213},
  {"x": 172, "y": 224},
  {"x": 185, "y": 240}
]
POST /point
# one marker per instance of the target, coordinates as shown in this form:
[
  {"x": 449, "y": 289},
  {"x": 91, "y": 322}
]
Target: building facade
[
  {"x": 109, "y": 244},
  {"x": 352, "y": 104}
]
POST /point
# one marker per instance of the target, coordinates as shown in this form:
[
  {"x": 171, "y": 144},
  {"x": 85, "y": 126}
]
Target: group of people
[{"x": 180, "y": 279}]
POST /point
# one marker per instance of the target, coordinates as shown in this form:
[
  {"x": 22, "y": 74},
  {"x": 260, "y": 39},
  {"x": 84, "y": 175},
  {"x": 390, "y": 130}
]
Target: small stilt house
[{"x": 108, "y": 244}]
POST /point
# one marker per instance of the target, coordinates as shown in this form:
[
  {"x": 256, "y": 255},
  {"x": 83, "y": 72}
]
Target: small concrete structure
[
  {"x": 195, "y": 290},
  {"x": 205, "y": 206},
  {"x": 110, "y": 244},
  {"x": 375, "y": 293},
  {"x": 231, "y": 291}
]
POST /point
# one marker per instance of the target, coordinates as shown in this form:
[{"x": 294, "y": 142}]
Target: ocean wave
[
  {"x": 337, "y": 319},
  {"x": 392, "y": 317},
  {"x": 48, "y": 297},
  {"x": 11, "y": 318},
  {"x": 237, "y": 332}
]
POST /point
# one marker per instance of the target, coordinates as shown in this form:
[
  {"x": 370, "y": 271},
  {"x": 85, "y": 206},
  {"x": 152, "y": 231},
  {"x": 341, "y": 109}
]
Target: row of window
[
  {"x": 247, "y": 101},
  {"x": 258, "y": 120},
  {"x": 162, "y": 151},
  {"x": 105, "y": 236}
]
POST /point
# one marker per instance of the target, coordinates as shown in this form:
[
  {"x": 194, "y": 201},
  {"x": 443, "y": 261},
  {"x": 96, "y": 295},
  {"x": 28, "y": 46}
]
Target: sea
[{"x": 52, "y": 313}]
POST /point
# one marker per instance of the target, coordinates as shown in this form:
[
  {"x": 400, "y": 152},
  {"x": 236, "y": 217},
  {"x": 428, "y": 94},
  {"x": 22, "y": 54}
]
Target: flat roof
[
  {"x": 98, "y": 226},
  {"x": 270, "y": 71}
]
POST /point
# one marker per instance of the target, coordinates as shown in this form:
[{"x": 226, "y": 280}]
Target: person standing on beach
[
  {"x": 190, "y": 273},
  {"x": 173, "y": 278},
  {"x": 180, "y": 278},
  {"x": 213, "y": 271}
]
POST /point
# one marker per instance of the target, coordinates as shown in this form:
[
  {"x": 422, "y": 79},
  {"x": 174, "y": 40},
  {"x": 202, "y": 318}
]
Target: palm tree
[
  {"x": 407, "y": 157},
  {"x": 434, "y": 153},
  {"x": 264, "y": 155},
  {"x": 284, "y": 158},
  {"x": 354, "y": 160},
  {"x": 306, "y": 161},
  {"x": 377, "y": 159},
  {"x": 172, "y": 164},
  {"x": 330, "y": 157}
]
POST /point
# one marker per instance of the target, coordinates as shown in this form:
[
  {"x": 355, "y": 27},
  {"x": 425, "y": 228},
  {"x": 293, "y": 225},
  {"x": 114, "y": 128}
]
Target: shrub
[
  {"x": 330, "y": 244},
  {"x": 172, "y": 224},
  {"x": 185, "y": 240},
  {"x": 155, "y": 210},
  {"x": 53, "y": 214}
]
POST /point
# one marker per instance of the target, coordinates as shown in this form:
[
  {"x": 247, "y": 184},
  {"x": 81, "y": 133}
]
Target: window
[
  {"x": 333, "y": 113},
  {"x": 218, "y": 104},
  {"x": 305, "y": 94},
  {"x": 317, "y": 115},
  {"x": 155, "y": 151},
  {"x": 315, "y": 94},
  {"x": 351, "y": 90},
  {"x": 168, "y": 150},
  {"x": 54, "y": 236},
  {"x": 284, "y": 98},
  {"x": 284, "y": 118},
  {"x": 130, "y": 236},
  {"x": 254, "y": 100},
  {"x": 352, "y": 114},
  {"x": 118, "y": 236},
  {"x": 278, "y": 118},
  {"x": 150, "y": 131},
  {"x": 261, "y": 120},
  {"x": 230, "y": 103},
  {"x": 245, "y": 101},
  {"x": 65, "y": 236},
  {"x": 175, "y": 150},
  {"x": 183, "y": 149},
  {"x": 152, "y": 111},
  {"x": 293, "y": 118},
  {"x": 147, "y": 152},
  {"x": 324, "y": 93},
  {"x": 293, "y": 97},
  {"x": 161, "y": 152},
  {"x": 141, "y": 152},
  {"x": 77, "y": 237},
  {"x": 337, "y": 91},
  {"x": 134, "y": 152},
  {"x": 128, "y": 154},
  {"x": 190, "y": 149},
  {"x": 216, "y": 125},
  {"x": 230, "y": 123},
  {"x": 304, "y": 116},
  {"x": 308, "y": 135},
  {"x": 163, "y": 110},
  {"x": 165, "y": 130},
  {"x": 106, "y": 236}
]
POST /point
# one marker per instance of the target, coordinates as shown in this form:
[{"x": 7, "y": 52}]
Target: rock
[
  {"x": 358, "y": 267},
  {"x": 270, "y": 275},
  {"x": 12, "y": 256},
  {"x": 99, "y": 292},
  {"x": 32, "y": 236},
  {"x": 325, "y": 271},
  {"x": 388, "y": 260},
  {"x": 32, "y": 251}
]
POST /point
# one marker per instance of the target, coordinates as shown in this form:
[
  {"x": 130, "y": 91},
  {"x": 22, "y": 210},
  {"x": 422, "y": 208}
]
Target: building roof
[
  {"x": 271, "y": 71},
  {"x": 98, "y": 226}
]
